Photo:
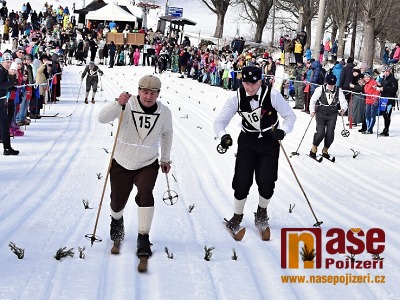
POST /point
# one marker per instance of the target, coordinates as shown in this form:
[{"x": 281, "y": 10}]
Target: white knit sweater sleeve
[{"x": 110, "y": 112}]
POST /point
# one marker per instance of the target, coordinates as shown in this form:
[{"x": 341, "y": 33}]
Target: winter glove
[
  {"x": 226, "y": 141},
  {"x": 278, "y": 134}
]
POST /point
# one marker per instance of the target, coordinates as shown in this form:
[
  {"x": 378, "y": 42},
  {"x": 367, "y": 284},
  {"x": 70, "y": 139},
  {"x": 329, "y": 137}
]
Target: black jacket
[
  {"x": 390, "y": 87},
  {"x": 346, "y": 77},
  {"x": 5, "y": 82}
]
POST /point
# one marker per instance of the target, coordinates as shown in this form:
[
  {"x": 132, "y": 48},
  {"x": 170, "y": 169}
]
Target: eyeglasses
[{"x": 20, "y": 51}]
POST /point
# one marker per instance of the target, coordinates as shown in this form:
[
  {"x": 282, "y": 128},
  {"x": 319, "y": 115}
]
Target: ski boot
[
  {"x": 143, "y": 245},
  {"x": 261, "y": 222},
  {"x": 325, "y": 153},
  {"x": 261, "y": 218},
  {"x": 86, "y": 101},
  {"x": 234, "y": 222},
  {"x": 313, "y": 152},
  {"x": 117, "y": 234}
]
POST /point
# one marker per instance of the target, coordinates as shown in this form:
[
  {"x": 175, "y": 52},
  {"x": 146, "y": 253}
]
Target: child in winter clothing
[{"x": 136, "y": 57}]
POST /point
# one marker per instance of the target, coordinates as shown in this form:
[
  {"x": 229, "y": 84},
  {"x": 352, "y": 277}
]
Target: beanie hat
[
  {"x": 330, "y": 79},
  {"x": 367, "y": 74},
  {"x": 251, "y": 74},
  {"x": 14, "y": 66},
  {"x": 7, "y": 57}
]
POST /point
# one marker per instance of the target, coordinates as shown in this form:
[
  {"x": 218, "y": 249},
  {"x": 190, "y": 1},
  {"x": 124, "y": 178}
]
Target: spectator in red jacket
[
  {"x": 371, "y": 101},
  {"x": 396, "y": 55}
]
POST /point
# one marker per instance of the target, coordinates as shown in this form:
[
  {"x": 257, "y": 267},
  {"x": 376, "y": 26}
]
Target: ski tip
[
  {"x": 240, "y": 234},
  {"x": 142, "y": 266},
  {"x": 266, "y": 234}
]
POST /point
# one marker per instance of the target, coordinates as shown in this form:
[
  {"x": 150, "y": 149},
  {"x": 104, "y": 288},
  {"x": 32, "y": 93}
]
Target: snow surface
[{"x": 43, "y": 188}]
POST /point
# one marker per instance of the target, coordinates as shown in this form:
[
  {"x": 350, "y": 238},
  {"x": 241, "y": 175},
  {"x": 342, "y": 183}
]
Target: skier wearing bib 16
[{"x": 258, "y": 142}]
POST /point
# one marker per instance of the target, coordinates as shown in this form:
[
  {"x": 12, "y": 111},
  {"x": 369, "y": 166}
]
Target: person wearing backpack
[
  {"x": 317, "y": 75},
  {"x": 323, "y": 105},
  {"x": 388, "y": 88}
]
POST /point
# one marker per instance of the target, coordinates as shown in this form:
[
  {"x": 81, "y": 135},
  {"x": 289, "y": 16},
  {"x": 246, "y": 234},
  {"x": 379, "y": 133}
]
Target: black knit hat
[
  {"x": 330, "y": 79},
  {"x": 251, "y": 74}
]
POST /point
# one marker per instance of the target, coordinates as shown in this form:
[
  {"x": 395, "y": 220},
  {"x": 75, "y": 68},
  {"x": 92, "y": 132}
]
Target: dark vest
[
  {"x": 322, "y": 105},
  {"x": 257, "y": 122}
]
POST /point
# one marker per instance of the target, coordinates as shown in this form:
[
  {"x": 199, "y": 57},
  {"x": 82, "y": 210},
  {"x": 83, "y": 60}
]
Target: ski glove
[
  {"x": 278, "y": 134},
  {"x": 226, "y": 141}
]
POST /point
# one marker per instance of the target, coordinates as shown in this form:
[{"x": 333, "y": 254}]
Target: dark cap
[
  {"x": 330, "y": 79},
  {"x": 367, "y": 74},
  {"x": 251, "y": 74},
  {"x": 386, "y": 68}
]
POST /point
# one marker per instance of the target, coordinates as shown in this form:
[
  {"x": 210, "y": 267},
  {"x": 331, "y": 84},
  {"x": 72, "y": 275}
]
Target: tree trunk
[
  {"x": 219, "y": 29},
  {"x": 354, "y": 32},
  {"x": 341, "y": 41},
  {"x": 308, "y": 30},
  {"x": 369, "y": 45},
  {"x": 259, "y": 32},
  {"x": 334, "y": 32}
]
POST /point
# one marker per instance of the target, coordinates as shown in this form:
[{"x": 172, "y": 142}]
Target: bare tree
[
  {"x": 375, "y": 13},
  {"x": 390, "y": 27},
  {"x": 218, "y": 7},
  {"x": 342, "y": 11},
  {"x": 257, "y": 11},
  {"x": 310, "y": 10}
]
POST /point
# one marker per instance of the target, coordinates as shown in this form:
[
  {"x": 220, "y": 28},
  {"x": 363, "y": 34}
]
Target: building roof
[
  {"x": 178, "y": 20},
  {"x": 94, "y": 5}
]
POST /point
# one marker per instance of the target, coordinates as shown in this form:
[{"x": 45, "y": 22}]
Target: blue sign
[{"x": 175, "y": 11}]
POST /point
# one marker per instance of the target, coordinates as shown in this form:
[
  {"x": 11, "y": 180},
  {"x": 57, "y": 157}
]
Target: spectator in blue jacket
[{"x": 337, "y": 71}]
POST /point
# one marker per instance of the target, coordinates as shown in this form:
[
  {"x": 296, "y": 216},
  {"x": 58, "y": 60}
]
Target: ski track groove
[
  {"x": 213, "y": 200},
  {"x": 210, "y": 187},
  {"x": 34, "y": 207},
  {"x": 44, "y": 190}
]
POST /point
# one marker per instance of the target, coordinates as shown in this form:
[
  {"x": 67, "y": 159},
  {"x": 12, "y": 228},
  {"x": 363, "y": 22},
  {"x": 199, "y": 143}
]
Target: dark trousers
[
  {"x": 4, "y": 124},
  {"x": 259, "y": 157},
  {"x": 91, "y": 83},
  {"x": 326, "y": 124},
  {"x": 122, "y": 181},
  {"x": 112, "y": 59},
  {"x": 386, "y": 117}
]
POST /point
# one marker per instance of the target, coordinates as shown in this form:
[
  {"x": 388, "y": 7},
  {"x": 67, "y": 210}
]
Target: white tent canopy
[{"x": 111, "y": 12}]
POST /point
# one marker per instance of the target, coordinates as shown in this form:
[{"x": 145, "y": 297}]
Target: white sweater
[{"x": 141, "y": 134}]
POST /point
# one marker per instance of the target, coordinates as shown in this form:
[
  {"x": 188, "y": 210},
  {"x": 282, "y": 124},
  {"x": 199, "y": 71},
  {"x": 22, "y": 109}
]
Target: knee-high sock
[
  {"x": 262, "y": 202},
  {"x": 145, "y": 217},
  {"x": 117, "y": 215},
  {"x": 238, "y": 206}
]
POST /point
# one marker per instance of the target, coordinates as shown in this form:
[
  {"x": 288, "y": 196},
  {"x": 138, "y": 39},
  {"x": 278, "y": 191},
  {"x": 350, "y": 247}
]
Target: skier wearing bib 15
[
  {"x": 145, "y": 127},
  {"x": 258, "y": 142}
]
